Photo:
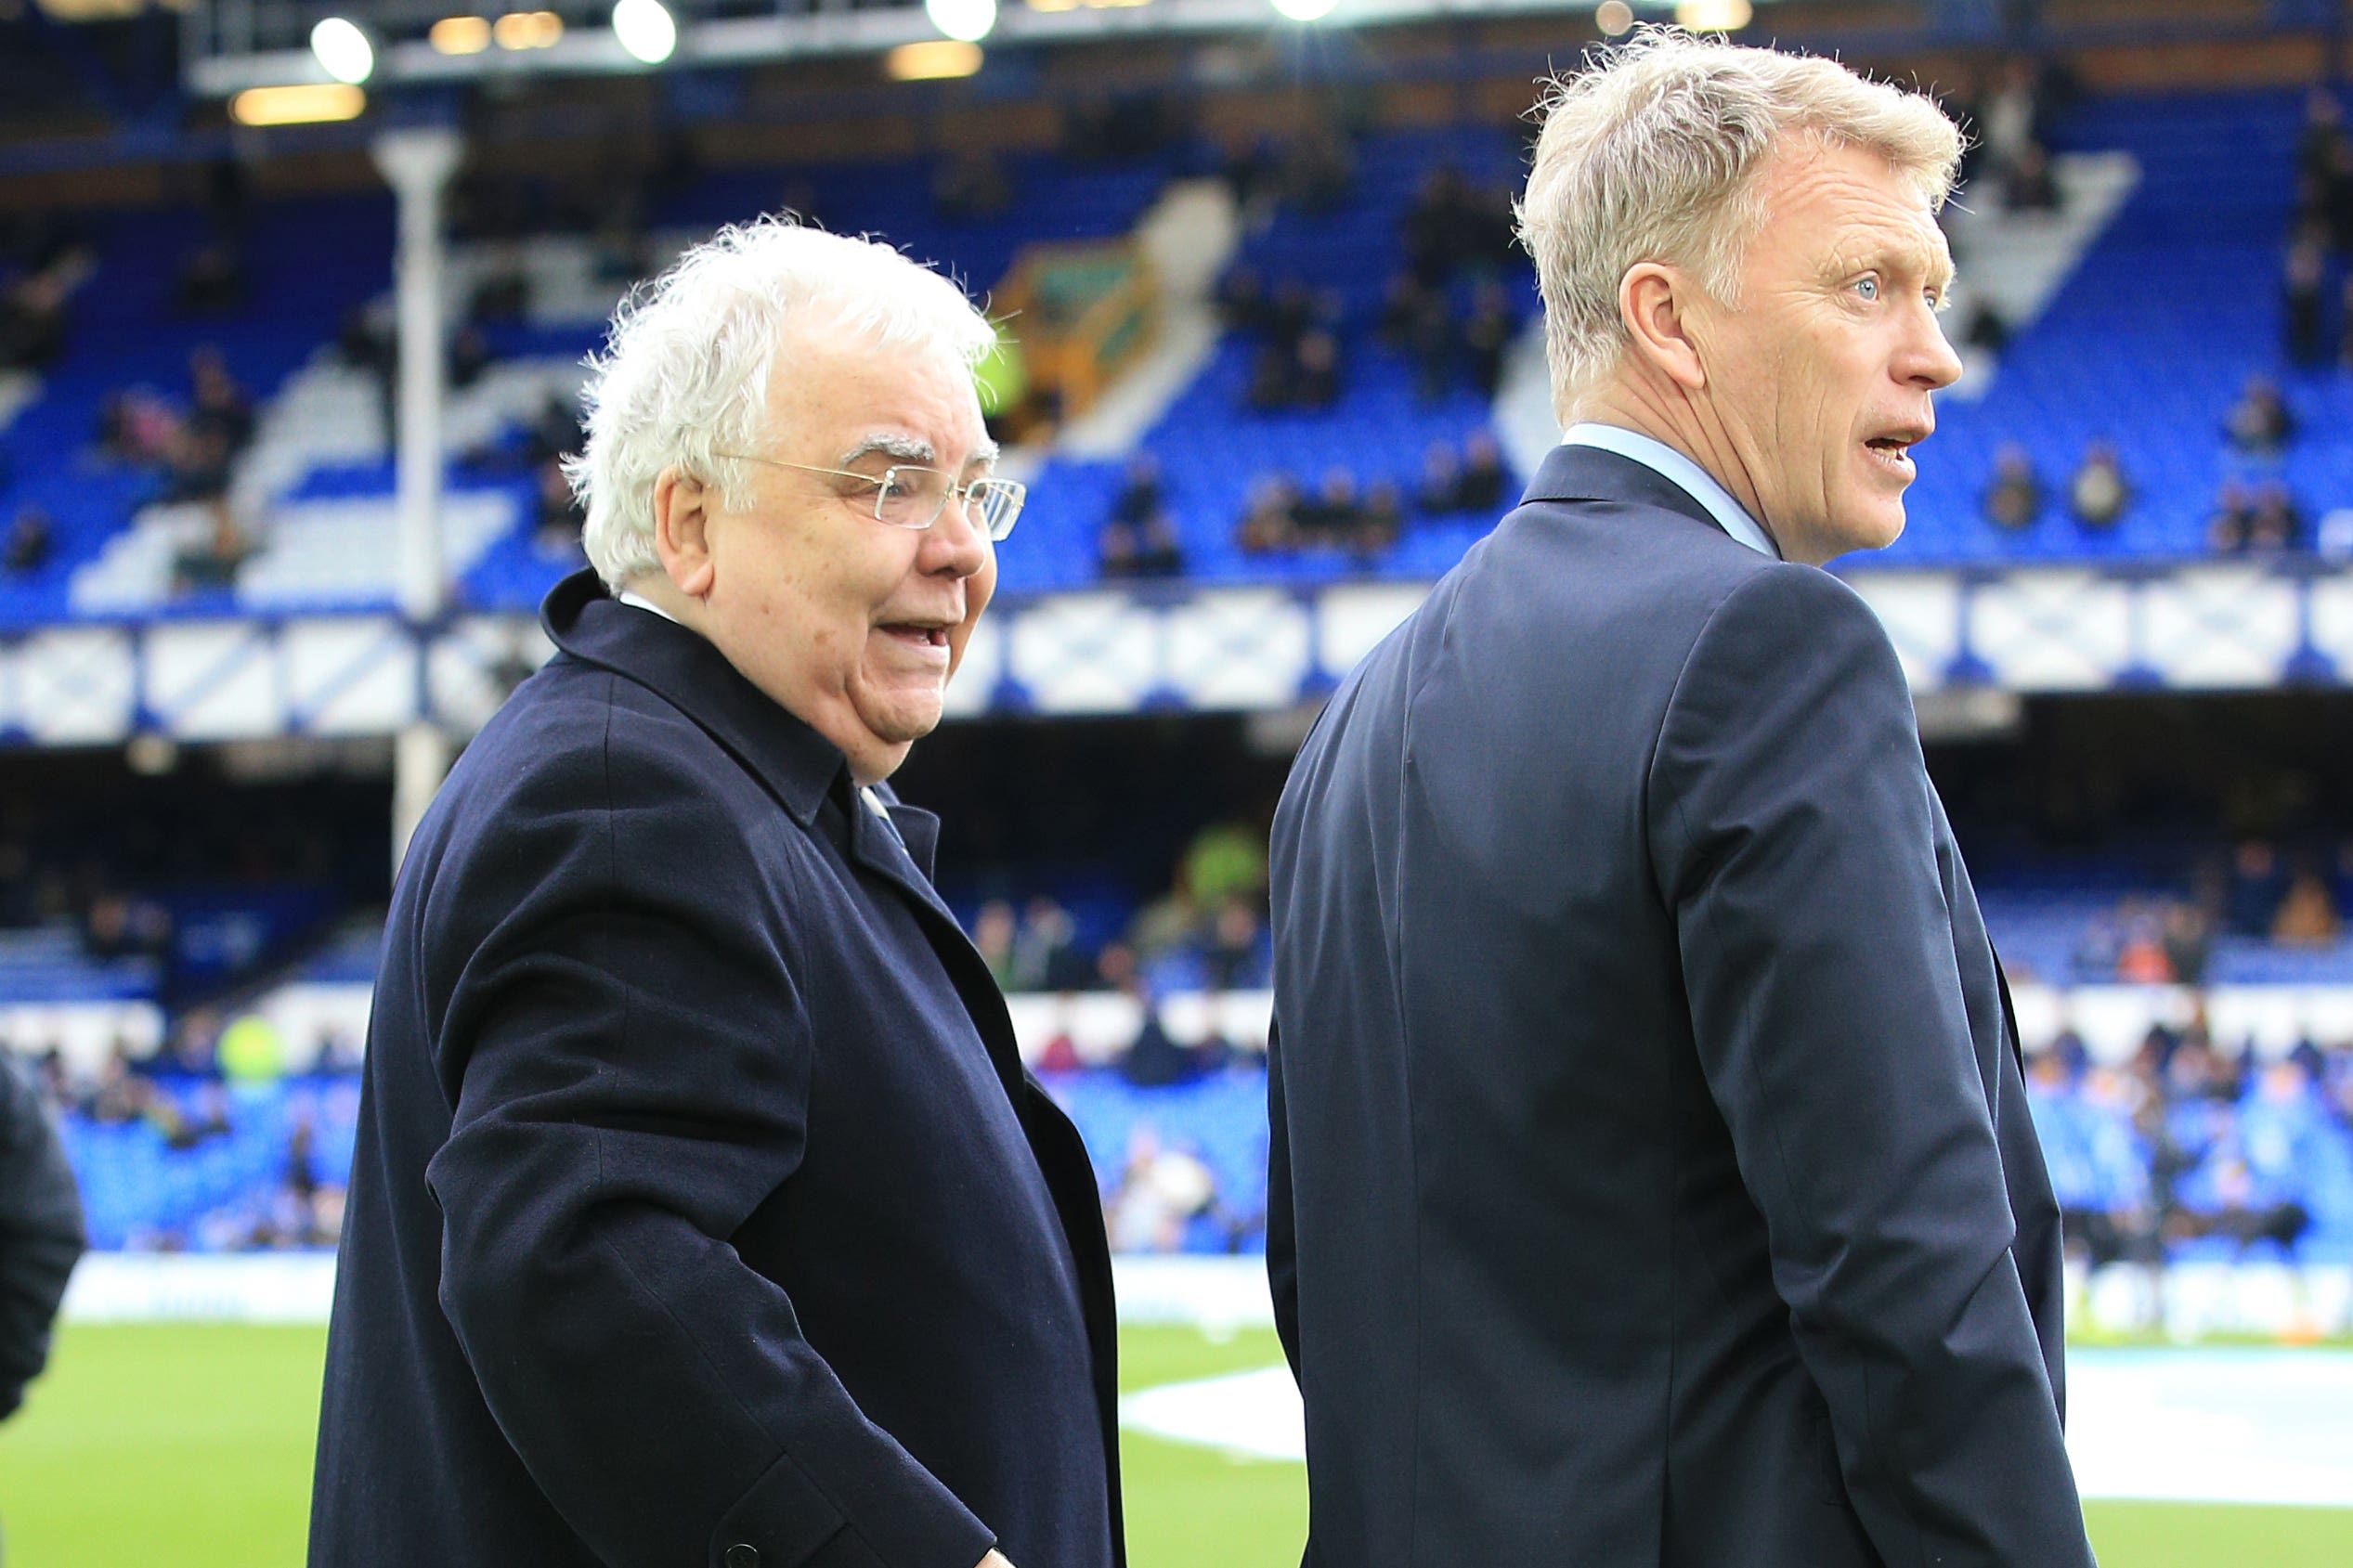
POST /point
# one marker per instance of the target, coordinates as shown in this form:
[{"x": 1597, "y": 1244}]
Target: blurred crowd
[
  {"x": 2190, "y": 1142},
  {"x": 2261, "y": 893},
  {"x": 2254, "y": 510}
]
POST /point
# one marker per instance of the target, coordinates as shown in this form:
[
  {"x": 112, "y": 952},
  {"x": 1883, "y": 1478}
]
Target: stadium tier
[{"x": 2158, "y": 315}]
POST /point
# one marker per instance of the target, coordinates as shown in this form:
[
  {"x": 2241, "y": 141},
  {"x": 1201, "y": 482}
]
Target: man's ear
[
  {"x": 681, "y": 531},
  {"x": 1653, "y": 301}
]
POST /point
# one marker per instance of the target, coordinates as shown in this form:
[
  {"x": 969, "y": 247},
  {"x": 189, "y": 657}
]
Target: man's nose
[
  {"x": 1929, "y": 360},
  {"x": 955, "y": 545}
]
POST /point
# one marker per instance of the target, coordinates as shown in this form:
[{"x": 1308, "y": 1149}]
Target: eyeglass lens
[{"x": 914, "y": 498}]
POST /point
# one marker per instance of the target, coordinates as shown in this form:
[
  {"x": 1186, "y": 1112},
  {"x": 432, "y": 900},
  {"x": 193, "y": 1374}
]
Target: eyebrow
[
  {"x": 1934, "y": 264},
  {"x": 908, "y": 449}
]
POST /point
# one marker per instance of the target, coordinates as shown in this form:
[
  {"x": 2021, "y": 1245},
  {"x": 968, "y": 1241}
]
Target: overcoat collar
[
  {"x": 798, "y": 766},
  {"x": 1592, "y": 474}
]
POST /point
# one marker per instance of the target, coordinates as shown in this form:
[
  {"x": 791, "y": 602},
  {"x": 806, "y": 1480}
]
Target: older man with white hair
[
  {"x": 1652, "y": 1182},
  {"x": 702, "y": 1211}
]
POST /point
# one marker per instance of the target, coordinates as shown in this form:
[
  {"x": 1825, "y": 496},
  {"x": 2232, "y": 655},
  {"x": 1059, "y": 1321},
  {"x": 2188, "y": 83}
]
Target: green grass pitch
[{"x": 190, "y": 1446}]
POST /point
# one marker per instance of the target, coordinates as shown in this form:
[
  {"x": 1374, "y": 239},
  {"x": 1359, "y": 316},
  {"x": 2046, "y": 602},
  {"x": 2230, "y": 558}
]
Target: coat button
[{"x": 743, "y": 1554}]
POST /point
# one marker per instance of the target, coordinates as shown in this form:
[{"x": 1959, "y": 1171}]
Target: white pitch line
[{"x": 2221, "y": 1426}]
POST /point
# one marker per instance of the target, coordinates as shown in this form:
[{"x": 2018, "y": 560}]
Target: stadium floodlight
[
  {"x": 528, "y": 30},
  {"x": 934, "y": 59},
  {"x": 968, "y": 21},
  {"x": 1715, "y": 15},
  {"x": 460, "y": 36},
  {"x": 343, "y": 51},
  {"x": 1614, "y": 18},
  {"x": 1304, "y": 10},
  {"x": 646, "y": 30},
  {"x": 309, "y": 103}
]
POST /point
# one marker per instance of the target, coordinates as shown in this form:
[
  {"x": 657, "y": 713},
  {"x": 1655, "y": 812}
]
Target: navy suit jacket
[
  {"x": 702, "y": 1213},
  {"x": 1652, "y": 1181}
]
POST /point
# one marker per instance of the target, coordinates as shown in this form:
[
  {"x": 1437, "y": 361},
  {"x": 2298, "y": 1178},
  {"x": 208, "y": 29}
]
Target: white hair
[
  {"x": 1652, "y": 154},
  {"x": 686, "y": 369}
]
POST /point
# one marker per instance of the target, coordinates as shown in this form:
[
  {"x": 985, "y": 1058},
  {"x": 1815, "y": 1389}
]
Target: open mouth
[
  {"x": 917, "y": 634},
  {"x": 1893, "y": 452}
]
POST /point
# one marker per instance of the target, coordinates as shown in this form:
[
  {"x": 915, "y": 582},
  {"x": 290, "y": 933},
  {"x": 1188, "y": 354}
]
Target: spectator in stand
[
  {"x": 2014, "y": 500},
  {"x": 470, "y": 354},
  {"x": 217, "y": 405},
  {"x": 1316, "y": 372},
  {"x": 1136, "y": 539},
  {"x": 2099, "y": 493},
  {"x": 2307, "y": 915},
  {"x": 2257, "y": 884},
  {"x": 2300, "y": 306},
  {"x": 197, "y": 467},
  {"x": 33, "y": 309},
  {"x": 1268, "y": 523},
  {"x": 993, "y": 933},
  {"x": 2029, "y": 185},
  {"x": 1440, "y": 490},
  {"x": 1380, "y": 521},
  {"x": 1332, "y": 514},
  {"x": 137, "y": 427},
  {"x": 1149, "y": 550},
  {"x": 1159, "y": 1192},
  {"x": 1242, "y": 300},
  {"x": 1483, "y": 476},
  {"x": 2275, "y": 523},
  {"x": 2316, "y": 146},
  {"x": 31, "y": 538},
  {"x": 1047, "y": 956},
  {"x": 2143, "y": 958},
  {"x": 2260, "y": 423},
  {"x": 1140, "y": 494},
  {"x": 2188, "y": 942},
  {"x": 2344, "y": 343},
  {"x": 1234, "y": 958},
  {"x": 1485, "y": 336},
  {"x": 2230, "y": 526},
  {"x": 1226, "y": 859}
]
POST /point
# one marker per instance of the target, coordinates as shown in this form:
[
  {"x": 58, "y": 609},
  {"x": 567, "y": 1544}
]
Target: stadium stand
[{"x": 2148, "y": 308}]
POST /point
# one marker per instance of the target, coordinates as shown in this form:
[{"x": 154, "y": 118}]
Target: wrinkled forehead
[
  {"x": 1845, "y": 210},
  {"x": 837, "y": 395}
]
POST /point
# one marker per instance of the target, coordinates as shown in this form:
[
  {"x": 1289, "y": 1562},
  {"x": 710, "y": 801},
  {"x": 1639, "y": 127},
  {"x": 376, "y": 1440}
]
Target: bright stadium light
[
  {"x": 460, "y": 36},
  {"x": 1614, "y": 18},
  {"x": 312, "y": 103},
  {"x": 966, "y": 20},
  {"x": 343, "y": 51},
  {"x": 934, "y": 59},
  {"x": 1304, "y": 10},
  {"x": 1715, "y": 15},
  {"x": 646, "y": 30}
]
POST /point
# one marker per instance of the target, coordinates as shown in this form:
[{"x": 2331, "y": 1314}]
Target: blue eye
[{"x": 1867, "y": 287}]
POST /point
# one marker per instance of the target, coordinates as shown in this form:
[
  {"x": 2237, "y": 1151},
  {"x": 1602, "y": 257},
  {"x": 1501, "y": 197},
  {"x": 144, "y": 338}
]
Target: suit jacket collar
[
  {"x": 1590, "y": 474},
  {"x": 798, "y": 766}
]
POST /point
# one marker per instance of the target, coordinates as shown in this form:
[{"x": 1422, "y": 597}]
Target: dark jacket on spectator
[
  {"x": 39, "y": 1233},
  {"x": 702, "y": 1213}
]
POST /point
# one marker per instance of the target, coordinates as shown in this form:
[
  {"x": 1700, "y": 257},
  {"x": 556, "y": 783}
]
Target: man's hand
[{"x": 994, "y": 1560}]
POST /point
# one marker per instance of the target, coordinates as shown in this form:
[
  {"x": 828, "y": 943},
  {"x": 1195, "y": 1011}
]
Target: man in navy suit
[
  {"x": 702, "y": 1213},
  {"x": 1652, "y": 1181}
]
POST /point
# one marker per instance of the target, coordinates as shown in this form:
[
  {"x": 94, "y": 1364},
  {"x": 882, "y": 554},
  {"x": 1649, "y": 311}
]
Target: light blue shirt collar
[{"x": 1687, "y": 475}]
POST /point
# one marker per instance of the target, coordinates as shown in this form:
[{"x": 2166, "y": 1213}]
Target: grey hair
[
  {"x": 1653, "y": 153},
  {"x": 685, "y": 373}
]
